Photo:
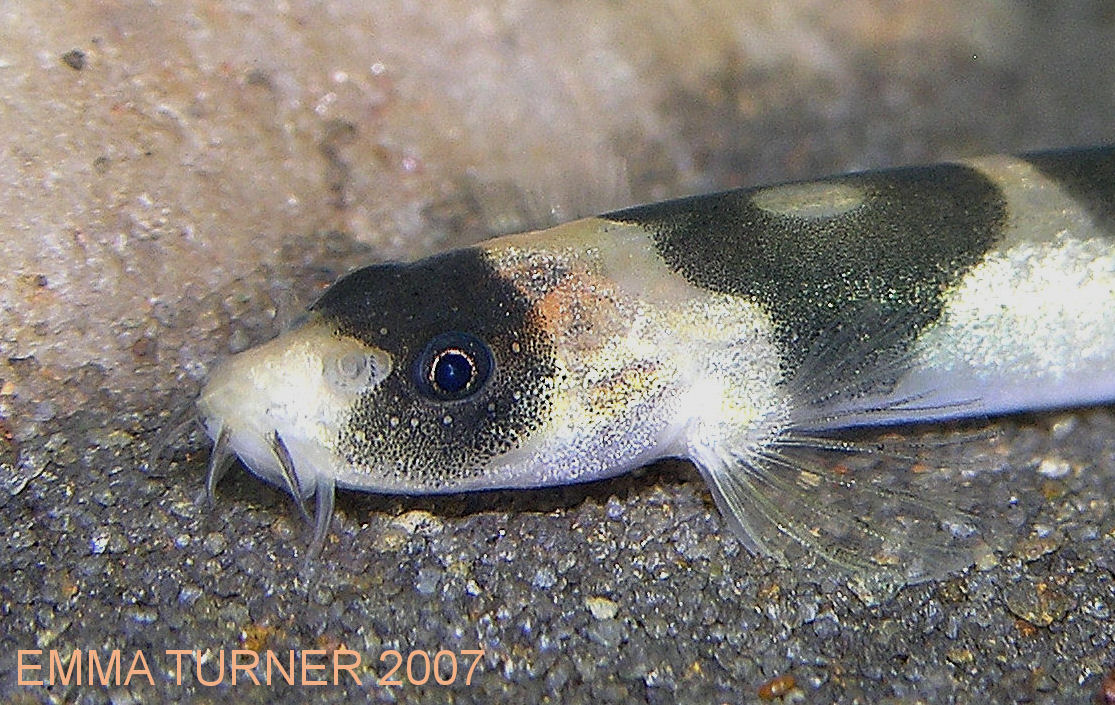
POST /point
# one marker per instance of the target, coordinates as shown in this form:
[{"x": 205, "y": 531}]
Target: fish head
[
  {"x": 487, "y": 367},
  {"x": 291, "y": 393}
]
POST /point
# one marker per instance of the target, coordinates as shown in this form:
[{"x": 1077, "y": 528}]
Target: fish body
[{"x": 730, "y": 329}]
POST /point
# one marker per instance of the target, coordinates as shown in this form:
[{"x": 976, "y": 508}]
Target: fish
[{"x": 739, "y": 330}]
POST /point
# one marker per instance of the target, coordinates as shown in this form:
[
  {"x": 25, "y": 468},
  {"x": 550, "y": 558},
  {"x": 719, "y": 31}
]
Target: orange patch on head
[{"x": 579, "y": 310}]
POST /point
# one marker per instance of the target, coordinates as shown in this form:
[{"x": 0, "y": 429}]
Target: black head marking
[
  {"x": 888, "y": 257},
  {"x": 473, "y": 370}
]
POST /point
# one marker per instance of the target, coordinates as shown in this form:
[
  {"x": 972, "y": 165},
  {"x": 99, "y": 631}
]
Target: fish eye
[{"x": 453, "y": 366}]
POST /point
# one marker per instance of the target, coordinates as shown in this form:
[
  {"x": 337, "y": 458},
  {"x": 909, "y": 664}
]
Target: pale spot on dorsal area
[{"x": 809, "y": 200}]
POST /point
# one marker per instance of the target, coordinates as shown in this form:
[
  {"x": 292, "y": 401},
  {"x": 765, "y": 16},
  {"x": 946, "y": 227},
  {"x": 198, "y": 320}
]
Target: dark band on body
[
  {"x": 883, "y": 262},
  {"x": 399, "y": 308},
  {"x": 1089, "y": 177}
]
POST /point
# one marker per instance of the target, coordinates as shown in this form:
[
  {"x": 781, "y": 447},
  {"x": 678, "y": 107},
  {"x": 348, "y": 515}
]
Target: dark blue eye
[
  {"x": 453, "y": 366},
  {"x": 452, "y": 371}
]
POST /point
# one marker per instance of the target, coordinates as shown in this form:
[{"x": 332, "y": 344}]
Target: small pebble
[
  {"x": 1054, "y": 468},
  {"x": 601, "y": 607},
  {"x": 427, "y": 582},
  {"x": 214, "y": 543},
  {"x": 75, "y": 59},
  {"x": 544, "y": 579}
]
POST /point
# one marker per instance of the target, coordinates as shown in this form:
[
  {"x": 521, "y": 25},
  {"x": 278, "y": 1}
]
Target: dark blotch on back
[
  {"x": 1089, "y": 177},
  {"x": 883, "y": 264},
  {"x": 399, "y": 308}
]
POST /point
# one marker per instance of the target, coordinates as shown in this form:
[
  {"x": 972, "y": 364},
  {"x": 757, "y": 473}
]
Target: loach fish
[{"x": 739, "y": 330}]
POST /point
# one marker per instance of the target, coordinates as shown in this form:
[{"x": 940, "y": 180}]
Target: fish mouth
[
  {"x": 278, "y": 407},
  {"x": 221, "y": 458}
]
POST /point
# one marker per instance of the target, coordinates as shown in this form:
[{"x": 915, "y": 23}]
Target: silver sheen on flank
[{"x": 734, "y": 329}]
